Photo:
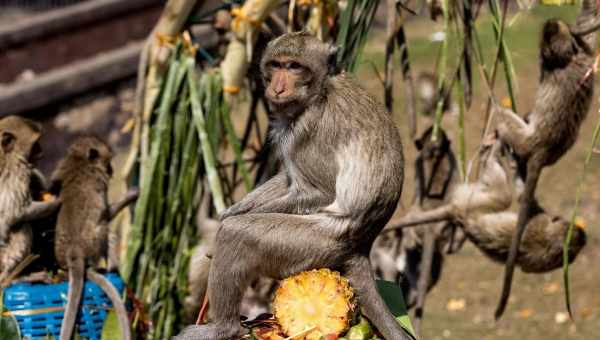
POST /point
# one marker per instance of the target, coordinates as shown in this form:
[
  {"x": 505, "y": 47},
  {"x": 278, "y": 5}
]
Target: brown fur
[
  {"x": 19, "y": 137},
  {"x": 82, "y": 226},
  {"x": 551, "y": 128},
  {"x": 340, "y": 183}
]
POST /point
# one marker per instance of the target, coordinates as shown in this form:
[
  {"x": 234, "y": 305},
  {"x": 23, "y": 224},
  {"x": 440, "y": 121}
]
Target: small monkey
[
  {"x": 481, "y": 208},
  {"x": 551, "y": 128},
  {"x": 19, "y": 147},
  {"x": 82, "y": 179},
  {"x": 341, "y": 179}
]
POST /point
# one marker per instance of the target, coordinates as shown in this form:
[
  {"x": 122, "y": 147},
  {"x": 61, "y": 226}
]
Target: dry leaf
[
  {"x": 456, "y": 305},
  {"x": 586, "y": 312},
  {"x": 526, "y": 313},
  {"x": 551, "y": 288}
]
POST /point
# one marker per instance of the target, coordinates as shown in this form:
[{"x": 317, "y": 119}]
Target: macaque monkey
[
  {"x": 82, "y": 179},
  {"x": 341, "y": 179},
  {"x": 482, "y": 209},
  {"x": 19, "y": 147},
  {"x": 551, "y": 128}
]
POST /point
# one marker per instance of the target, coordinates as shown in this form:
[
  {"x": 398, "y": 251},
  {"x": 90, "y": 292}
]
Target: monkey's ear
[
  {"x": 8, "y": 141},
  {"x": 93, "y": 154},
  {"x": 332, "y": 67}
]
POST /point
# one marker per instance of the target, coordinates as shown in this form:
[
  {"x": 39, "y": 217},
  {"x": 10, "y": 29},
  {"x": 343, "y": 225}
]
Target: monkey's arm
[
  {"x": 443, "y": 213},
  {"x": 588, "y": 22},
  {"x": 274, "y": 188},
  {"x": 130, "y": 196},
  {"x": 513, "y": 130},
  {"x": 37, "y": 210}
]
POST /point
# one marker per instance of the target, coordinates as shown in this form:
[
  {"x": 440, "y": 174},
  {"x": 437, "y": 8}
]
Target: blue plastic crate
[{"x": 35, "y": 307}]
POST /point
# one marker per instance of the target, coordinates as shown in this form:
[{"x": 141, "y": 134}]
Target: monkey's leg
[
  {"x": 424, "y": 275},
  {"x": 443, "y": 213},
  {"x": 115, "y": 298},
  {"x": 130, "y": 196},
  {"x": 274, "y": 188},
  {"x": 37, "y": 210},
  {"x": 527, "y": 207},
  {"x": 358, "y": 272},
  {"x": 246, "y": 246},
  {"x": 514, "y": 131}
]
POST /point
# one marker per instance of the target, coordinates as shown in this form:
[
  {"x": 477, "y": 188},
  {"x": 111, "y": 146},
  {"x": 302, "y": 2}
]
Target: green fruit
[{"x": 362, "y": 331}]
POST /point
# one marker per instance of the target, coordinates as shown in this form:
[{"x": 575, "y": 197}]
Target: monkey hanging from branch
[
  {"x": 18, "y": 149},
  {"x": 81, "y": 241},
  {"x": 481, "y": 208},
  {"x": 340, "y": 183},
  {"x": 551, "y": 128}
]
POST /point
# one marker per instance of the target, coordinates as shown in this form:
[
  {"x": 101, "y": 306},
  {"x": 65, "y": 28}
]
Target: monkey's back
[
  {"x": 370, "y": 185},
  {"x": 562, "y": 103},
  {"x": 81, "y": 226}
]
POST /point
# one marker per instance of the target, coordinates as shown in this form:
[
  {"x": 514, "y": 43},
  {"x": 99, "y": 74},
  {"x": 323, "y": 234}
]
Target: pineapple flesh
[{"x": 313, "y": 304}]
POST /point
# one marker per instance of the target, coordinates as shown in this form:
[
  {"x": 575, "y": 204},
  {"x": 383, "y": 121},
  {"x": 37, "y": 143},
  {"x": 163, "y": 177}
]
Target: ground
[{"x": 461, "y": 306}]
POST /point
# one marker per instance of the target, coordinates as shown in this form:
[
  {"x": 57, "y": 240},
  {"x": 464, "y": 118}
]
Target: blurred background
[{"x": 72, "y": 65}]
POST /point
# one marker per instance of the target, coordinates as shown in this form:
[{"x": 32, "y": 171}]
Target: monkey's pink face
[{"x": 287, "y": 81}]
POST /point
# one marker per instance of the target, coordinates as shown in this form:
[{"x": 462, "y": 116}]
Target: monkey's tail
[
  {"x": 115, "y": 298},
  {"x": 76, "y": 268},
  {"x": 528, "y": 205}
]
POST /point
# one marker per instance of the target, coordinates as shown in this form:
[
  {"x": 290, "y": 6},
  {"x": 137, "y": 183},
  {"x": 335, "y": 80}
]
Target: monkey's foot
[{"x": 209, "y": 332}]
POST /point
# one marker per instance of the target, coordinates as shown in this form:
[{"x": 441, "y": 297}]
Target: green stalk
[
  {"x": 146, "y": 185},
  {"x": 573, "y": 216},
  {"x": 207, "y": 150},
  {"x": 441, "y": 73}
]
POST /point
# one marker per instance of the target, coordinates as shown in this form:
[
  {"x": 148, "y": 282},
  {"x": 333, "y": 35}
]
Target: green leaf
[
  {"x": 392, "y": 295},
  {"x": 9, "y": 328},
  {"x": 111, "y": 330}
]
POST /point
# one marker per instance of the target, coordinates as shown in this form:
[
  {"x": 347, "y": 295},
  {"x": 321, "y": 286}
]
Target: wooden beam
[
  {"x": 70, "y": 80},
  {"x": 67, "y": 18}
]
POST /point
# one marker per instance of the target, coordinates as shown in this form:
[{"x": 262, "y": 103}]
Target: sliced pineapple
[{"x": 314, "y": 304}]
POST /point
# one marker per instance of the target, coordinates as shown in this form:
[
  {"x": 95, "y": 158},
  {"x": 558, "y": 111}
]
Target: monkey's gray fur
[
  {"x": 82, "y": 227},
  {"x": 19, "y": 138},
  {"x": 482, "y": 209},
  {"x": 341, "y": 181},
  {"x": 551, "y": 128}
]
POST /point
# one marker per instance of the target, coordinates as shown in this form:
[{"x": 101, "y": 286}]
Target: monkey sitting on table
[
  {"x": 482, "y": 209},
  {"x": 340, "y": 184},
  {"x": 19, "y": 146},
  {"x": 82, "y": 179},
  {"x": 562, "y": 101},
  {"x": 414, "y": 257}
]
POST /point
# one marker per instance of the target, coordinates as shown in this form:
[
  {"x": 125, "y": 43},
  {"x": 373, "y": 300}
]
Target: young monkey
[
  {"x": 82, "y": 178},
  {"x": 19, "y": 147},
  {"x": 551, "y": 128}
]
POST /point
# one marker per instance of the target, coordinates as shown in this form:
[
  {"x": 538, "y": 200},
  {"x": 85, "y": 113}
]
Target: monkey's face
[
  {"x": 94, "y": 152},
  {"x": 20, "y": 136},
  {"x": 558, "y": 45},
  {"x": 295, "y": 68}
]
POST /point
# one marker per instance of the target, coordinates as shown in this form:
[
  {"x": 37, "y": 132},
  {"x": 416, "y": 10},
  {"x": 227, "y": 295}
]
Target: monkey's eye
[
  {"x": 274, "y": 64},
  {"x": 555, "y": 219},
  {"x": 295, "y": 66}
]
